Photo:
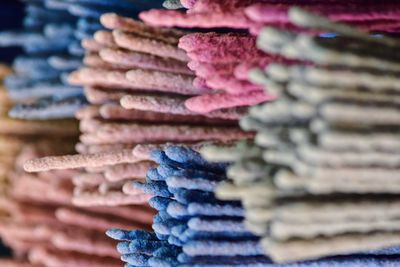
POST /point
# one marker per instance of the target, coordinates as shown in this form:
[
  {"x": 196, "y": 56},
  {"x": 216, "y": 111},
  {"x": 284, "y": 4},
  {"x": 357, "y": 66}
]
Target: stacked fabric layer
[
  {"x": 23, "y": 222},
  {"x": 221, "y": 60},
  {"x": 8, "y": 152},
  {"x": 51, "y": 38},
  {"x": 88, "y": 13},
  {"x": 42, "y": 226},
  {"x": 137, "y": 81},
  {"x": 143, "y": 67},
  {"x": 322, "y": 177},
  {"x": 255, "y": 14},
  {"x": 37, "y": 84},
  {"x": 217, "y": 59},
  {"x": 192, "y": 227},
  {"x": 116, "y": 142},
  {"x": 38, "y": 220},
  {"x": 143, "y": 95}
]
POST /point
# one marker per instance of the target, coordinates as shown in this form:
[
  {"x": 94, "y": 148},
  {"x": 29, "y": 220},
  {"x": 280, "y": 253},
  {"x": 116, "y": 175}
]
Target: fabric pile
[
  {"x": 142, "y": 67},
  {"x": 27, "y": 202},
  {"x": 218, "y": 59},
  {"x": 313, "y": 180},
  {"x": 192, "y": 227},
  {"x": 255, "y": 14},
  {"x": 37, "y": 84},
  {"x": 221, "y": 58},
  {"x": 39, "y": 221},
  {"x": 321, "y": 178},
  {"x": 51, "y": 39},
  {"x": 41, "y": 224},
  {"x": 136, "y": 81}
]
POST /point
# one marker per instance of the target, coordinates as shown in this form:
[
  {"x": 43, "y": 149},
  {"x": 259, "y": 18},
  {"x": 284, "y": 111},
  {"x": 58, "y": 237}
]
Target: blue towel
[
  {"x": 167, "y": 171},
  {"x": 64, "y": 62},
  {"x": 159, "y": 203},
  {"x": 188, "y": 183},
  {"x": 110, "y": 3},
  {"x": 217, "y": 225},
  {"x": 189, "y": 216},
  {"x": 193, "y": 159},
  {"x": 47, "y": 32},
  {"x": 123, "y": 235},
  {"x": 23, "y": 64},
  {"x": 89, "y": 24},
  {"x": 223, "y": 209},
  {"x": 158, "y": 188},
  {"x": 144, "y": 246},
  {"x": 136, "y": 259},
  {"x": 49, "y": 108},
  {"x": 186, "y": 259},
  {"x": 223, "y": 248},
  {"x": 177, "y": 210},
  {"x": 154, "y": 175},
  {"x": 43, "y": 90},
  {"x": 56, "y": 30},
  {"x": 94, "y": 10}
]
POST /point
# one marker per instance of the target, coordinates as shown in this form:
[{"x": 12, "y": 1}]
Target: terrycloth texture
[
  {"x": 214, "y": 56},
  {"x": 320, "y": 179},
  {"x": 40, "y": 218},
  {"x": 37, "y": 85},
  {"x": 117, "y": 139},
  {"x": 221, "y": 61},
  {"x": 36, "y": 211},
  {"x": 51, "y": 38},
  {"x": 254, "y": 14},
  {"x": 143, "y": 69},
  {"x": 191, "y": 226},
  {"x": 133, "y": 64}
]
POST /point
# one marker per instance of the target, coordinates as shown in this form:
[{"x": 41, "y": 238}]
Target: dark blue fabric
[
  {"x": 52, "y": 30},
  {"x": 188, "y": 213}
]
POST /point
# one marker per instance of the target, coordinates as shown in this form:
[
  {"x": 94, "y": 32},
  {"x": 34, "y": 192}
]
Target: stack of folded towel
[
  {"x": 51, "y": 38},
  {"x": 136, "y": 81},
  {"x": 149, "y": 86},
  {"x": 38, "y": 221},
  {"x": 321, "y": 178},
  {"x": 41, "y": 224},
  {"x": 222, "y": 57},
  {"x": 37, "y": 83},
  {"x": 192, "y": 227},
  {"x": 218, "y": 59}
]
